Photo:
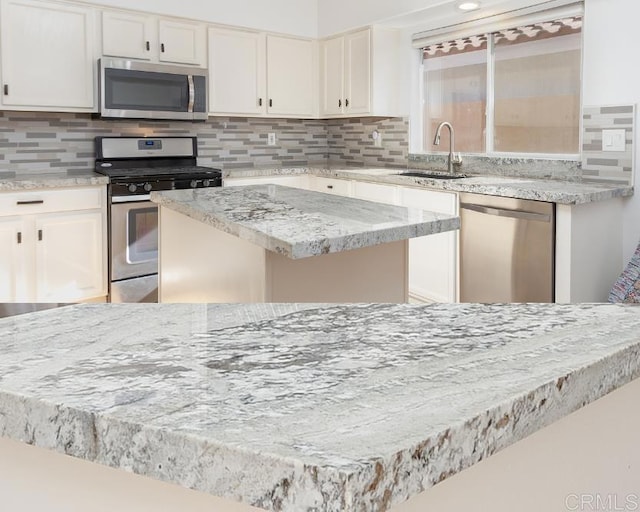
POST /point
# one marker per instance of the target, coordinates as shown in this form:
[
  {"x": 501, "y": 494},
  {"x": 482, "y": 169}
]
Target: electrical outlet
[
  {"x": 377, "y": 138},
  {"x": 271, "y": 139},
  {"x": 613, "y": 140}
]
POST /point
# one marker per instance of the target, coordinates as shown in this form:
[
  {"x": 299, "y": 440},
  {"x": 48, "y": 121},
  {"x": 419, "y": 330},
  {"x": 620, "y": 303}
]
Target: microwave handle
[{"x": 192, "y": 93}]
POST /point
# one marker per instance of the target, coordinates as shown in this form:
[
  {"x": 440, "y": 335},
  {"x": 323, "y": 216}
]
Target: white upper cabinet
[
  {"x": 332, "y": 71},
  {"x": 48, "y": 57},
  {"x": 135, "y": 32},
  {"x": 133, "y": 35},
  {"x": 237, "y": 72},
  {"x": 182, "y": 42},
  {"x": 253, "y": 73},
  {"x": 291, "y": 76},
  {"x": 359, "y": 73}
]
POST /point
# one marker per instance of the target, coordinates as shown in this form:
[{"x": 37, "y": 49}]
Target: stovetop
[{"x": 188, "y": 172}]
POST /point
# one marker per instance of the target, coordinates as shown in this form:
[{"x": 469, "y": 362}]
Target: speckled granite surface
[
  {"x": 305, "y": 408},
  {"x": 554, "y": 191},
  {"x": 300, "y": 223},
  {"x": 11, "y": 181}
]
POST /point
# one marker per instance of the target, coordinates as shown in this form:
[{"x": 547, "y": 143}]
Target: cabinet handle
[
  {"x": 339, "y": 103},
  {"x": 330, "y": 186},
  {"x": 38, "y": 201},
  {"x": 271, "y": 103},
  {"x": 346, "y": 102},
  {"x": 162, "y": 47},
  {"x": 259, "y": 102},
  {"x": 148, "y": 46},
  {"x": 19, "y": 237},
  {"x": 39, "y": 235},
  {"x": 6, "y": 89}
]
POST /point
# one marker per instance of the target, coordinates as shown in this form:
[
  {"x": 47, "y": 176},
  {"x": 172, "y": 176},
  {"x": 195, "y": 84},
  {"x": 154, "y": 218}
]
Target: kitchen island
[
  {"x": 297, "y": 408},
  {"x": 269, "y": 243}
]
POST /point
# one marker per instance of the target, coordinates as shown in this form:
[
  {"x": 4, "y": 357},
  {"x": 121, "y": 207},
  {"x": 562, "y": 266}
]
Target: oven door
[{"x": 134, "y": 238}]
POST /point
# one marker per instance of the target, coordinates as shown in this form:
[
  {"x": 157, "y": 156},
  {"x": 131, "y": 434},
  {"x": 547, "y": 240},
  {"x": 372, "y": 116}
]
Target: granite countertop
[
  {"x": 301, "y": 223},
  {"x": 298, "y": 408},
  {"x": 14, "y": 182},
  {"x": 554, "y": 191}
]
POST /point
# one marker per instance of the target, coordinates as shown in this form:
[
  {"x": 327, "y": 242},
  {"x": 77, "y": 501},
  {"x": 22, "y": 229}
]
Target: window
[{"x": 512, "y": 91}]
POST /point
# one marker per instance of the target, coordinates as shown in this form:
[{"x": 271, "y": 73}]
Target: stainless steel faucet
[{"x": 453, "y": 159}]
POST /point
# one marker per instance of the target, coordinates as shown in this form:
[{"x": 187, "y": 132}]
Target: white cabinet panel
[
  {"x": 331, "y": 186},
  {"x": 358, "y": 73},
  {"x": 236, "y": 72},
  {"x": 182, "y": 42},
  {"x": 53, "y": 245},
  {"x": 387, "y": 194},
  {"x": 128, "y": 35},
  {"x": 291, "y": 76},
  {"x": 69, "y": 258},
  {"x": 47, "y": 54},
  {"x": 432, "y": 259},
  {"x": 332, "y": 72},
  {"x": 131, "y": 35},
  {"x": 12, "y": 240}
]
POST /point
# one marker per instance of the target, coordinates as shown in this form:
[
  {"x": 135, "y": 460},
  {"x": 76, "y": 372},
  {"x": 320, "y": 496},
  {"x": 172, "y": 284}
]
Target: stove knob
[
  {"x": 206, "y": 183},
  {"x": 193, "y": 184},
  {"x": 133, "y": 187},
  {"x": 147, "y": 187}
]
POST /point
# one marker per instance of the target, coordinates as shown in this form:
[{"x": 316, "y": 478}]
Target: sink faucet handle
[{"x": 457, "y": 158}]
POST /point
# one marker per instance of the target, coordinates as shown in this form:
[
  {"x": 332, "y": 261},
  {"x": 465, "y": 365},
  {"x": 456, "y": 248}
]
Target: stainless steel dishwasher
[{"x": 506, "y": 249}]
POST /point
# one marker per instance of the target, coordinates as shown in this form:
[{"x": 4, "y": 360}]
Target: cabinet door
[
  {"x": 13, "y": 280},
  {"x": 433, "y": 258},
  {"x": 387, "y": 194},
  {"x": 331, "y": 186},
  {"x": 47, "y": 54},
  {"x": 182, "y": 42},
  {"x": 128, "y": 35},
  {"x": 358, "y": 72},
  {"x": 69, "y": 256},
  {"x": 332, "y": 76},
  {"x": 291, "y": 76},
  {"x": 236, "y": 72}
]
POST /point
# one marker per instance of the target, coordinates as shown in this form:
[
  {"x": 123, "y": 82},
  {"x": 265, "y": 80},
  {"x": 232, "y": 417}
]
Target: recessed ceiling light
[{"x": 468, "y": 5}]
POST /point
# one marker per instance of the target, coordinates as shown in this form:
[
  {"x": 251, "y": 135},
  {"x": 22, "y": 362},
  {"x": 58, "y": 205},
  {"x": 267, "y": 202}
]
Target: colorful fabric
[{"x": 627, "y": 287}]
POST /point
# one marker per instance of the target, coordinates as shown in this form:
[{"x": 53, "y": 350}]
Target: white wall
[
  {"x": 612, "y": 76},
  {"x": 298, "y": 17}
]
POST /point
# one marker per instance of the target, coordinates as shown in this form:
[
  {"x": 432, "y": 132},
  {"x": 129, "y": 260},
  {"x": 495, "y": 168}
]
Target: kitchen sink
[{"x": 431, "y": 175}]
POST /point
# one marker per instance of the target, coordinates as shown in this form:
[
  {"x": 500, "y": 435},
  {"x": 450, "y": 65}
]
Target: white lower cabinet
[
  {"x": 53, "y": 252},
  {"x": 433, "y": 259},
  {"x": 331, "y": 186},
  {"x": 377, "y": 192}
]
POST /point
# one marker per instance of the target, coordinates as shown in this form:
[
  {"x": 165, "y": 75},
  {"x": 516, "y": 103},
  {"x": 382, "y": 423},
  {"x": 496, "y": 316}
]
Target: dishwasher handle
[{"x": 502, "y": 212}]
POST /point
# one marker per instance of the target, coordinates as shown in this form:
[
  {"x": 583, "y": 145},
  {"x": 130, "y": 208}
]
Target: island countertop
[
  {"x": 305, "y": 407},
  {"x": 301, "y": 223}
]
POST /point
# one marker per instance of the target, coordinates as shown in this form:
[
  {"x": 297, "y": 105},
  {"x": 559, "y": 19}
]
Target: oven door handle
[
  {"x": 192, "y": 93},
  {"x": 130, "y": 199}
]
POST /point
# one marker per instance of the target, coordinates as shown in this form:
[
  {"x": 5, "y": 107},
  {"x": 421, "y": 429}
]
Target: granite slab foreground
[
  {"x": 305, "y": 407},
  {"x": 301, "y": 223},
  {"x": 13, "y": 182}
]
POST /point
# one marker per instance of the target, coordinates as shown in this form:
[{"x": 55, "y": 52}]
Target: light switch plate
[
  {"x": 271, "y": 139},
  {"x": 614, "y": 140}
]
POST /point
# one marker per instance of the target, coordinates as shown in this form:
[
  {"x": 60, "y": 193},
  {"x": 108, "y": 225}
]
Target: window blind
[{"x": 463, "y": 36}]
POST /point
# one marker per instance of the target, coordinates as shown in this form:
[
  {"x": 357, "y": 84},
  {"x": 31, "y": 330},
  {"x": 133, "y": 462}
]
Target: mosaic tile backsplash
[
  {"x": 37, "y": 141},
  {"x": 607, "y": 167}
]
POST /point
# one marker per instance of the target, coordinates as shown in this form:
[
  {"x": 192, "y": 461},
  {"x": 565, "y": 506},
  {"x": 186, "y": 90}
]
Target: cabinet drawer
[
  {"x": 51, "y": 200},
  {"x": 331, "y": 186},
  {"x": 431, "y": 200}
]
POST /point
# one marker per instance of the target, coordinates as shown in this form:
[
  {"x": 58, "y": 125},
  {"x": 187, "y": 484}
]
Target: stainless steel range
[{"x": 135, "y": 167}]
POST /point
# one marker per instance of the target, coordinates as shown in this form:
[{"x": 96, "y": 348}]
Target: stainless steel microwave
[{"x": 140, "y": 90}]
